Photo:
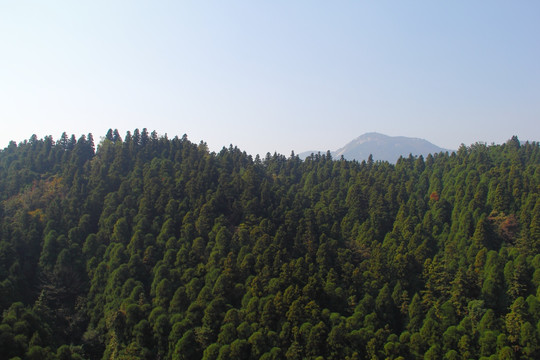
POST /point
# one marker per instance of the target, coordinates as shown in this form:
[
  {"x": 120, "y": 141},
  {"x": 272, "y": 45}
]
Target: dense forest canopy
[{"x": 144, "y": 247}]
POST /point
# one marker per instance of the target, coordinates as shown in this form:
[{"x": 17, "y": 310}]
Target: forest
[{"x": 145, "y": 247}]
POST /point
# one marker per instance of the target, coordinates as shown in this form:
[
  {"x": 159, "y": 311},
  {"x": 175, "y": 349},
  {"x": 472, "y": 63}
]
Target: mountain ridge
[{"x": 382, "y": 147}]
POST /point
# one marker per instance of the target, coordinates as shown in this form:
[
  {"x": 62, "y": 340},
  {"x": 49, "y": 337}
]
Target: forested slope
[{"x": 155, "y": 248}]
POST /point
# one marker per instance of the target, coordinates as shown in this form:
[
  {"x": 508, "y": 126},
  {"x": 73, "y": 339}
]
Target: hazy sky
[{"x": 273, "y": 75}]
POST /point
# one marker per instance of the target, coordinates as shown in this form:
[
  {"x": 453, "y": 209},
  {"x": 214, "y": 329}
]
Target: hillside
[
  {"x": 145, "y": 247},
  {"x": 383, "y": 148}
]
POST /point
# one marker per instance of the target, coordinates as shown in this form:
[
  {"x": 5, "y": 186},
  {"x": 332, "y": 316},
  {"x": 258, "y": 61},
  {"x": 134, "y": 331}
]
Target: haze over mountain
[{"x": 382, "y": 147}]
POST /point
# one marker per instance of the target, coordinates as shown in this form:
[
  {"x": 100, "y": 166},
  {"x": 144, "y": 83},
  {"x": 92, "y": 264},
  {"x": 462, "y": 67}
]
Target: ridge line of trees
[{"x": 146, "y": 247}]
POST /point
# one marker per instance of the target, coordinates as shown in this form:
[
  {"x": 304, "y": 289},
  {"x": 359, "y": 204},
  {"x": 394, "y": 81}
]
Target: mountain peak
[{"x": 383, "y": 147}]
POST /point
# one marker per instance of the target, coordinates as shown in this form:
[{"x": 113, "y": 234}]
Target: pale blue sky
[{"x": 274, "y": 75}]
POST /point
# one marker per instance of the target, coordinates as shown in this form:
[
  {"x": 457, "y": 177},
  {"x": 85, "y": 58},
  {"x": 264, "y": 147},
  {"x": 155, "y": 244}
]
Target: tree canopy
[{"x": 145, "y": 247}]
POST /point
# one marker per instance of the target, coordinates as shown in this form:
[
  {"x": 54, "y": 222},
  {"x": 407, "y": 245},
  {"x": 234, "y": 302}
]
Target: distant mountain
[{"x": 382, "y": 147}]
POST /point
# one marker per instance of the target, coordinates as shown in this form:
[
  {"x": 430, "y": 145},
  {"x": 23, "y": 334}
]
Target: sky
[{"x": 272, "y": 76}]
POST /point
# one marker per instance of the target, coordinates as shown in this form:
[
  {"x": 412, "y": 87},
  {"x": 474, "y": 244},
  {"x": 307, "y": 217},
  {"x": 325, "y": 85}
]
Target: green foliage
[{"x": 150, "y": 247}]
